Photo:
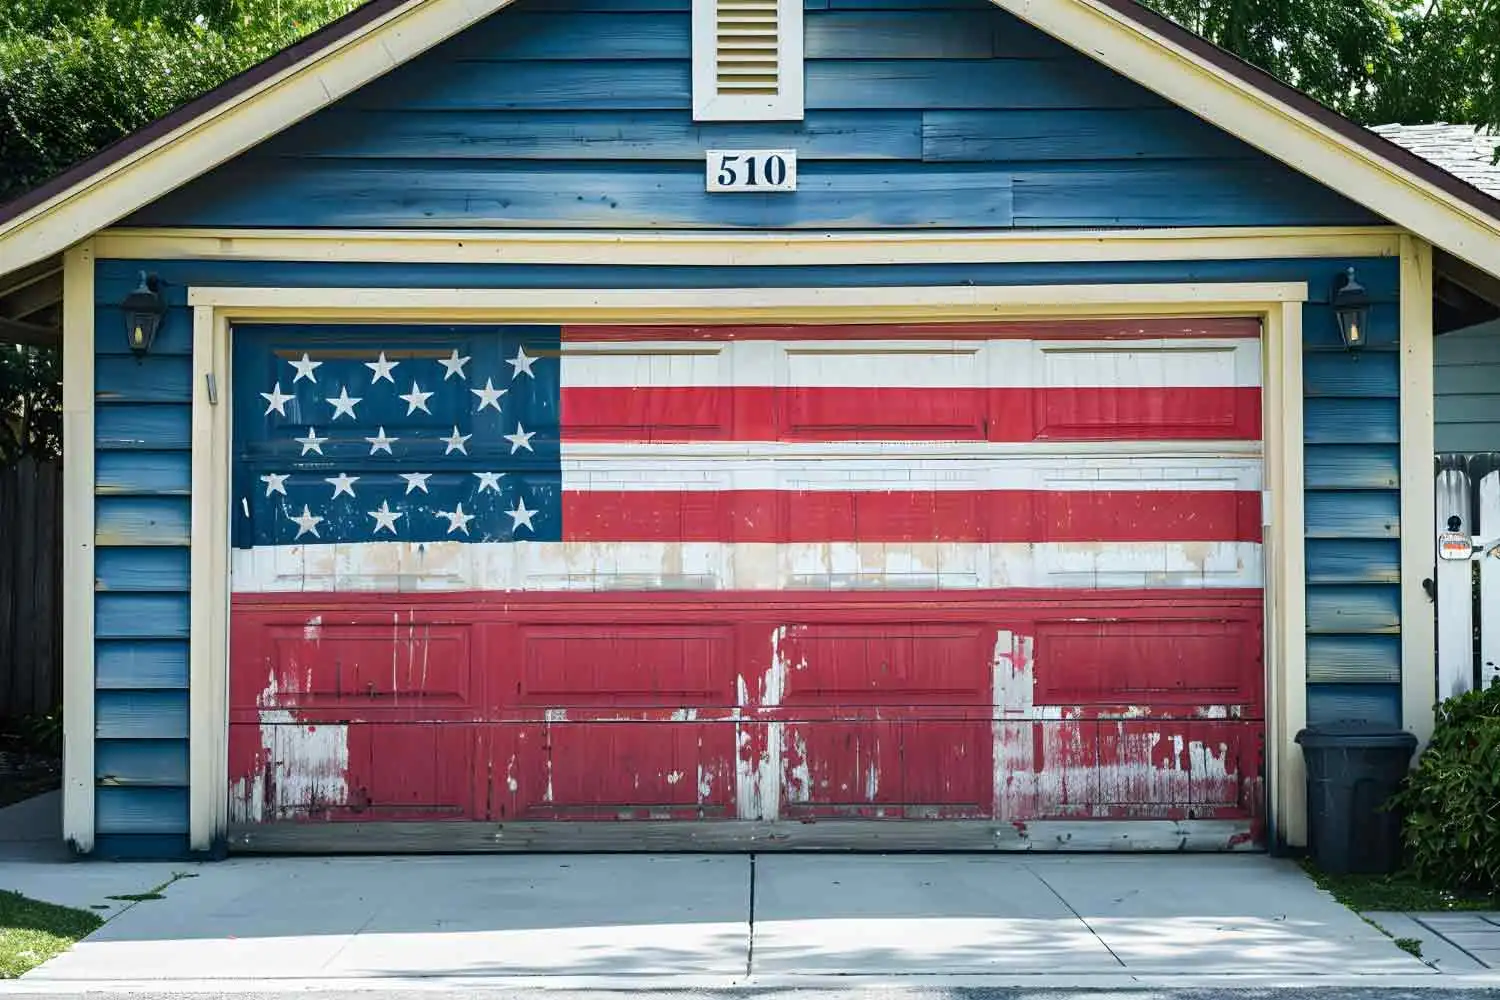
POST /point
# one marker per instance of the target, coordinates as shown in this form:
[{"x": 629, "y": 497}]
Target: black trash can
[{"x": 1353, "y": 768}]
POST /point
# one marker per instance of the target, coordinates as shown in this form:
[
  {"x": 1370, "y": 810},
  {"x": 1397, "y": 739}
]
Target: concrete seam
[
  {"x": 750, "y": 942},
  {"x": 1080, "y": 917},
  {"x": 1449, "y": 940}
]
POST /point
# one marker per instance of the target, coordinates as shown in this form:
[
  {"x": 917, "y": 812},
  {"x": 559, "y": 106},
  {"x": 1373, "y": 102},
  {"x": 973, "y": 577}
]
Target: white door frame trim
[{"x": 1277, "y": 305}]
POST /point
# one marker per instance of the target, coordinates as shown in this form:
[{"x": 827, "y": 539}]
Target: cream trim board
[
  {"x": 1277, "y": 129},
  {"x": 734, "y": 304},
  {"x": 1278, "y": 306},
  {"x": 1418, "y": 513},
  {"x": 1286, "y": 640},
  {"x": 246, "y": 119},
  {"x": 208, "y": 727},
  {"x": 78, "y": 548},
  {"x": 746, "y": 249}
]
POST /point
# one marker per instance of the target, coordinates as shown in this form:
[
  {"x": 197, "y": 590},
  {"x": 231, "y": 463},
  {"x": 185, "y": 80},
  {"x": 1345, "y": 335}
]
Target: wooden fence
[
  {"x": 1468, "y": 590},
  {"x": 30, "y": 588}
]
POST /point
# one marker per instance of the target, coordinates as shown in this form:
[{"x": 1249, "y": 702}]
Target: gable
[{"x": 577, "y": 114}]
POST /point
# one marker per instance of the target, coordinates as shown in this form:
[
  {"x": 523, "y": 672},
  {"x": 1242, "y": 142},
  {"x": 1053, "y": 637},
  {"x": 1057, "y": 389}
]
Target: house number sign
[{"x": 752, "y": 170}]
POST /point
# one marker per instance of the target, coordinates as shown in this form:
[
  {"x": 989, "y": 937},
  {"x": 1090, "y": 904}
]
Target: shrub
[{"x": 1451, "y": 800}]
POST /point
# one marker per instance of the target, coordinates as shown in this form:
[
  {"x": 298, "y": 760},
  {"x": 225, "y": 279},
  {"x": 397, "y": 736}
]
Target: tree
[
  {"x": 76, "y": 75},
  {"x": 1377, "y": 61},
  {"x": 30, "y": 403}
]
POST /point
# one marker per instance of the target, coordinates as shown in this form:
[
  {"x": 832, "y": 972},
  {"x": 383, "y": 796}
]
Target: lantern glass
[
  {"x": 1351, "y": 306},
  {"x": 1352, "y": 326},
  {"x": 143, "y": 312}
]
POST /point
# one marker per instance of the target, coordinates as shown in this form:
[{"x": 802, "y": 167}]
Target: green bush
[{"x": 1451, "y": 801}]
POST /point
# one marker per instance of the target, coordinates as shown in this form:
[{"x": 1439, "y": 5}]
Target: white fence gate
[{"x": 1468, "y": 588}]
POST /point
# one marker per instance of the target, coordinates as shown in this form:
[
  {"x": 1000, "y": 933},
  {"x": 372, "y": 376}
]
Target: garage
[{"x": 744, "y": 586}]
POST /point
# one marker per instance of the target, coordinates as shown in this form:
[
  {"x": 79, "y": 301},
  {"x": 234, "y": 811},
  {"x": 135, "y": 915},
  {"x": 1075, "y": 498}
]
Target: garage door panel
[
  {"x": 618, "y": 663},
  {"x": 340, "y": 666},
  {"x": 885, "y": 769},
  {"x": 1197, "y": 663},
  {"x": 289, "y": 769},
  {"x": 609, "y": 771},
  {"x": 850, "y": 665}
]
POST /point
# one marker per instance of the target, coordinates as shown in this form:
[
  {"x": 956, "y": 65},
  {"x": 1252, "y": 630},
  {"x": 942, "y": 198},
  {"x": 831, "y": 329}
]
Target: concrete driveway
[
  {"x": 708, "y": 921},
  {"x": 719, "y": 920}
]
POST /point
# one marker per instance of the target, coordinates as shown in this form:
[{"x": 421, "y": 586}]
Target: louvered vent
[
  {"x": 745, "y": 38},
  {"x": 747, "y": 60}
]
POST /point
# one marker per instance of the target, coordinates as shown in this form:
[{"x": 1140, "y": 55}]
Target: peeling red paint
[{"x": 1012, "y": 706}]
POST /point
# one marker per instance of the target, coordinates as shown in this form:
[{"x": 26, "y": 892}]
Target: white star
[
  {"x": 455, "y": 366},
  {"x": 489, "y": 395},
  {"x": 520, "y": 439},
  {"x": 305, "y": 369},
  {"x": 342, "y": 483},
  {"x": 521, "y": 363},
  {"x": 521, "y": 517},
  {"x": 276, "y": 400},
  {"x": 489, "y": 481},
  {"x": 416, "y": 400},
  {"x": 308, "y": 523},
  {"x": 416, "y": 480},
  {"x": 457, "y": 519},
  {"x": 381, "y": 443},
  {"x": 275, "y": 483},
  {"x": 344, "y": 404},
  {"x": 455, "y": 442},
  {"x": 382, "y": 369},
  {"x": 312, "y": 442},
  {"x": 385, "y": 517}
]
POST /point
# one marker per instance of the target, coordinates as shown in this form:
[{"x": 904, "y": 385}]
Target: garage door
[{"x": 968, "y": 585}]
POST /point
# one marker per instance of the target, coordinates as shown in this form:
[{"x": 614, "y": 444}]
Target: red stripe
[
  {"x": 724, "y": 413},
  {"x": 914, "y": 516},
  {"x": 1104, "y": 329}
]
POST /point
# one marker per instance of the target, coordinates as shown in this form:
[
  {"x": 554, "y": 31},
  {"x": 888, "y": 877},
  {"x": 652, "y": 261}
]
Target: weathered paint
[
  {"x": 965, "y": 117},
  {"x": 127, "y": 445},
  {"x": 877, "y": 706}
]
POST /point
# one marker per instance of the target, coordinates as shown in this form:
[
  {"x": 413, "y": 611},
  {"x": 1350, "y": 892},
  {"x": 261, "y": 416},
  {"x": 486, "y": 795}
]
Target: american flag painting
[{"x": 1003, "y": 571}]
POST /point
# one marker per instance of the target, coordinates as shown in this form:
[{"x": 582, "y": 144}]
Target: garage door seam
[{"x": 1079, "y": 916}]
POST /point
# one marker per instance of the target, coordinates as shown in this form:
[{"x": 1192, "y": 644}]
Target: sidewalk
[{"x": 716, "y": 921}]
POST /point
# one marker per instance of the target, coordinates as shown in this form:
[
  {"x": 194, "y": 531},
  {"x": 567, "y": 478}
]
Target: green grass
[
  {"x": 1401, "y": 891},
  {"x": 32, "y": 932},
  {"x": 1411, "y": 946}
]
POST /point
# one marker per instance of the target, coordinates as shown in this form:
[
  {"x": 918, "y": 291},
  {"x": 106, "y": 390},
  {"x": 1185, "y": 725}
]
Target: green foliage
[
  {"x": 30, "y": 402},
  {"x": 1451, "y": 801},
  {"x": 76, "y": 75},
  {"x": 1377, "y": 61}
]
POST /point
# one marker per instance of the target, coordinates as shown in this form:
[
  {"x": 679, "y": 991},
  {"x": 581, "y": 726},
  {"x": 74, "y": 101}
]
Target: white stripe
[
  {"x": 392, "y": 567},
  {"x": 665, "y": 467},
  {"x": 1165, "y": 363}
]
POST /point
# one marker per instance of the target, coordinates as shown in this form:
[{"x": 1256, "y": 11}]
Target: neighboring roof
[
  {"x": 1465, "y": 151},
  {"x": 1367, "y": 167}
]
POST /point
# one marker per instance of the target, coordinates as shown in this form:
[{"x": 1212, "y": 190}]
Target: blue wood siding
[
  {"x": 1353, "y": 510},
  {"x": 918, "y": 115},
  {"x": 142, "y": 525},
  {"x": 1352, "y": 468}
]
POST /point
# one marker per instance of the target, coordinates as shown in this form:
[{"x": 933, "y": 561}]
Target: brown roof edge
[
  {"x": 351, "y": 22},
  {"x": 1292, "y": 97}
]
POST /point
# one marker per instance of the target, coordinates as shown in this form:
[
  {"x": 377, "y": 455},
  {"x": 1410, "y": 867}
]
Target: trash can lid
[{"x": 1356, "y": 734}]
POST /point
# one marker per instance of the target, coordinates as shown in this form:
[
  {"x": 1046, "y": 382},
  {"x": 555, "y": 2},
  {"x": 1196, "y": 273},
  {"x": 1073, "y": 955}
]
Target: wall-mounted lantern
[
  {"x": 143, "y": 314},
  {"x": 1351, "y": 304}
]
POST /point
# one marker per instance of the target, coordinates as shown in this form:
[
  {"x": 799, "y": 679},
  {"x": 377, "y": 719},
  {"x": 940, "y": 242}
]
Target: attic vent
[{"x": 747, "y": 59}]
